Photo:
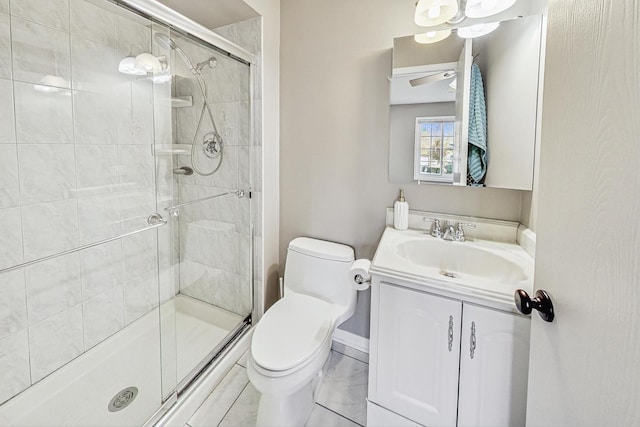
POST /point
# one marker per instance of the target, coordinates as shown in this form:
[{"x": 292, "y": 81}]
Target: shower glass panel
[
  {"x": 212, "y": 225},
  {"x": 111, "y": 297}
]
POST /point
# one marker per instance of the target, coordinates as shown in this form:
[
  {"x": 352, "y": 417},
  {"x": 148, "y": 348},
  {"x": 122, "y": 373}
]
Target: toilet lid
[{"x": 291, "y": 332}]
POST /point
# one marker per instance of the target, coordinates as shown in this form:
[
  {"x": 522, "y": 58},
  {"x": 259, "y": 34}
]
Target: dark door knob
[{"x": 542, "y": 303}]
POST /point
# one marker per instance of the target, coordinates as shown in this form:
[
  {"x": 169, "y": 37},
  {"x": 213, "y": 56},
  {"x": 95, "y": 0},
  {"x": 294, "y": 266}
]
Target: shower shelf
[
  {"x": 181, "y": 101},
  {"x": 172, "y": 149}
]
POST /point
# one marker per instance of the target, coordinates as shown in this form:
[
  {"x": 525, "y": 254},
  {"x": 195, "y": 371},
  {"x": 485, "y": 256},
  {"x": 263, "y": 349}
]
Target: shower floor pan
[{"x": 79, "y": 393}]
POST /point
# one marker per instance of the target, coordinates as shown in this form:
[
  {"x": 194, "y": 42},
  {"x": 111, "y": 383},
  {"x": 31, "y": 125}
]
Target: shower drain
[{"x": 123, "y": 399}]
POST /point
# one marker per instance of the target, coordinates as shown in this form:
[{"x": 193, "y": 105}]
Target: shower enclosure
[{"x": 125, "y": 208}]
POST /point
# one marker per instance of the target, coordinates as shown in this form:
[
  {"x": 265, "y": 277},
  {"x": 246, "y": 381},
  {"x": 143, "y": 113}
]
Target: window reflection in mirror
[{"x": 434, "y": 149}]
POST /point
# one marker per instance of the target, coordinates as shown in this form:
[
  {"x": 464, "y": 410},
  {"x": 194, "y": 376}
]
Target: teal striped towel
[{"x": 477, "y": 155}]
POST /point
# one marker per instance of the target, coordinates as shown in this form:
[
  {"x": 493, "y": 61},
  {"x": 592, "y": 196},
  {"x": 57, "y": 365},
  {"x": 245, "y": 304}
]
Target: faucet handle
[
  {"x": 459, "y": 236},
  {"x": 436, "y": 229}
]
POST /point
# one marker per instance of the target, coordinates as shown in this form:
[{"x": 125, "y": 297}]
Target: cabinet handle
[
  {"x": 472, "y": 343},
  {"x": 450, "y": 333}
]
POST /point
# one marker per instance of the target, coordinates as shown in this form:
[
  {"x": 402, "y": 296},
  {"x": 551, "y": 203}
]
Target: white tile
[
  {"x": 91, "y": 22},
  {"x": 244, "y": 123},
  {"x": 49, "y": 228},
  {"x": 322, "y": 417},
  {"x": 95, "y": 118},
  {"x": 141, "y": 275},
  {"x": 250, "y": 34},
  {"x": 256, "y": 168},
  {"x": 244, "y": 166},
  {"x": 55, "y": 341},
  {"x": 52, "y": 13},
  {"x": 103, "y": 316},
  {"x": 226, "y": 118},
  {"x": 47, "y": 172},
  {"x": 136, "y": 166},
  {"x": 244, "y": 411},
  {"x": 226, "y": 176},
  {"x": 344, "y": 388},
  {"x": 135, "y": 208},
  {"x": 13, "y": 305},
  {"x": 4, "y": 6},
  {"x": 9, "y": 185},
  {"x": 7, "y": 120},
  {"x": 135, "y": 106},
  {"x": 256, "y": 212},
  {"x": 97, "y": 169},
  {"x": 132, "y": 34},
  {"x": 39, "y": 51},
  {"x": 14, "y": 365},
  {"x": 42, "y": 117},
  {"x": 10, "y": 237},
  {"x": 52, "y": 286},
  {"x": 257, "y": 123},
  {"x": 102, "y": 268},
  {"x": 257, "y": 259},
  {"x": 141, "y": 296},
  {"x": 140, "y": 256},
  {"x": 98, "y": 218},
  {"x": 5, "y": 45},
  {"x": 221, "y": 399},
  {"x": 94, "y": 67}
]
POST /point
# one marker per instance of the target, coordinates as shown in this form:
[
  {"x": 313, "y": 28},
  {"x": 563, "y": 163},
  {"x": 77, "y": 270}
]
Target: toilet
[{"x": 291, "y": 344}]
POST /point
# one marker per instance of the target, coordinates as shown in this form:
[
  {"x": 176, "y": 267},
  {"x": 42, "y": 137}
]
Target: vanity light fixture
[
  {"x": 128, "y": 66},
  {"x": 430, "y": 13},
  {"x": 148, "y": 62},
  {"x": 484, "y": 8},
  {"x": 431, "y": 36},
  {"x": 477, "y": 30}
]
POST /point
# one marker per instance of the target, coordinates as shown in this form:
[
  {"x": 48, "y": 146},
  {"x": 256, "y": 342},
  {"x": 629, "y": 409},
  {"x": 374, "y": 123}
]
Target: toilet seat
[{"x": 290, "y": 334}]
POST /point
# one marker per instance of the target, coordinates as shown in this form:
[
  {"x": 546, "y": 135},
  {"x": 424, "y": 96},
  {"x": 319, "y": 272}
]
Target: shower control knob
[{"x": 542, "y": 303}]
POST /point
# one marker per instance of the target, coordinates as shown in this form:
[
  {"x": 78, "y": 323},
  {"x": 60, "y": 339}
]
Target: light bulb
[
  {"x": 477, "y": 30},
  {"x": 434, "y": 12},
  {"x": 431, "y": 36},
  {"x": 128, "y": 66},
  {"x": 148, "y": 63},
  {"x": 430, "y": 13}
]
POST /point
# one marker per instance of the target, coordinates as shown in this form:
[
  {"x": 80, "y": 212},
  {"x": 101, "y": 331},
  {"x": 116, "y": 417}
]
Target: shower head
[
  {"x": 167, "y": 41},
  {"x": 211, "y": 62}
]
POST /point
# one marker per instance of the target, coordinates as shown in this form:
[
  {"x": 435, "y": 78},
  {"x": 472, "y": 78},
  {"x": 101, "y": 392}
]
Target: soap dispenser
[{"x": 401, "y": 213}]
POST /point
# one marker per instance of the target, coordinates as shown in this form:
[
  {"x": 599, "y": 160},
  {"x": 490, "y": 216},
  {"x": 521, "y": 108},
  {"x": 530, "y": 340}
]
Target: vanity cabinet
[{"x": 439, "y": 361}]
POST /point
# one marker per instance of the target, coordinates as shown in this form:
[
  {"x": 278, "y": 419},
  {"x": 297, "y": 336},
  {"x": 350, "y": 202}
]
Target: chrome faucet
[
  {"x": 458, "y": 235},
  {"x": 450, "y": 232},
  {"x": 436, "y": 231}
]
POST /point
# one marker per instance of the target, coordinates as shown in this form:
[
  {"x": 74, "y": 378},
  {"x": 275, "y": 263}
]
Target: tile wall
[{"x": 76, "y": 167}]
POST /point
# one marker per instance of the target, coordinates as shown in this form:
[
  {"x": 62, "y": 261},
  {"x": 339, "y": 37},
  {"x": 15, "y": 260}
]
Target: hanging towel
[{"x": 477, "y": 150}]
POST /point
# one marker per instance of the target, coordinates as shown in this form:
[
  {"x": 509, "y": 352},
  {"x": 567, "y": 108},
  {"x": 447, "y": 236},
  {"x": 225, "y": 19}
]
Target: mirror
[{"x": 431, "y": 87}]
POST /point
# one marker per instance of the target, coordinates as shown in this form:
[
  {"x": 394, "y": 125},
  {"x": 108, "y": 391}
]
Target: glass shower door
[{"x": 210, "y": 218}]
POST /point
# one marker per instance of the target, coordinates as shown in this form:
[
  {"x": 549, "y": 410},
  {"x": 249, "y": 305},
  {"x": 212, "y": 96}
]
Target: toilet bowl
[{"x": 291, "y": 344}]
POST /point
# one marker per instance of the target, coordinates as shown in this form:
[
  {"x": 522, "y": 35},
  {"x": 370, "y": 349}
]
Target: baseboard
[{"x": 351, "y": 340}]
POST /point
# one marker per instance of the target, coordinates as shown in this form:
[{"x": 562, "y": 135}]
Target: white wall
[{"x": 336, "y": 57}]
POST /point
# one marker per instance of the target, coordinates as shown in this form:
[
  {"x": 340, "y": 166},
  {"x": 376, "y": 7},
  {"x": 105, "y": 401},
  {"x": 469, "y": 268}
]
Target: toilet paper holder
[{"x": 360, "y": 280}]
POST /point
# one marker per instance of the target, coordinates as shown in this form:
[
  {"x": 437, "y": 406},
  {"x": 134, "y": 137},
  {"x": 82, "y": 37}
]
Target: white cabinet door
[
  {"x": 494, "y": 363},
  {"x": 418, "y": 355}
]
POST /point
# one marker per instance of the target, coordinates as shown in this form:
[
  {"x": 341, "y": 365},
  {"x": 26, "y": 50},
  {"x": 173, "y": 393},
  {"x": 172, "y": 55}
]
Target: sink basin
[{"x": 460, "y": 260}]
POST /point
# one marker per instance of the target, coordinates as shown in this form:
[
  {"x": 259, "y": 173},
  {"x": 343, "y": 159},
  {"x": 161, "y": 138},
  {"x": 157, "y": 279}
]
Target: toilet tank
[{"x": 320, "y": 269}]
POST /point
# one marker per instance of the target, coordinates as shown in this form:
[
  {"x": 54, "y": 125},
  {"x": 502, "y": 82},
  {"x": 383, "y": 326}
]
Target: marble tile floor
[{"x": 340, "y": 402}]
